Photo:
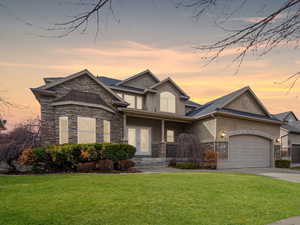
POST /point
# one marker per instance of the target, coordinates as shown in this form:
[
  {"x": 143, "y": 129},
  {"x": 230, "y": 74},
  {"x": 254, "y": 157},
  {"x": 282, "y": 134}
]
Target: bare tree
[
  {"x": 25, "y": 135},
  {"x": 279, "y": 28}
]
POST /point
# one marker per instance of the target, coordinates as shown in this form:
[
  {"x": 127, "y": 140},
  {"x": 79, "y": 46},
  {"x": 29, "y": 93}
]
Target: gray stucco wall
[
  {"x": 228, "y": 124},
  {"x": 144, "y": 81}
]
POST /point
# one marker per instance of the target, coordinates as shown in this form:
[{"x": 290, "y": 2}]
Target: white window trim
[
  {"x": 61, "y": 141},
  {"x": 139, "y": 103},
  {"x": 106, "y": 135},
  {"x": 169, "y": 98},
  {"x": 173, "y": 137},
  {"x": 133, "y": 105},
  {"x": 78, "y": 133}
]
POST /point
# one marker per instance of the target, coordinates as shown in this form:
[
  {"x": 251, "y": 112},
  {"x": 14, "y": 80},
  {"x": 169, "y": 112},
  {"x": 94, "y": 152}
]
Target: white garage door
[{"x": 247, "y": 151}]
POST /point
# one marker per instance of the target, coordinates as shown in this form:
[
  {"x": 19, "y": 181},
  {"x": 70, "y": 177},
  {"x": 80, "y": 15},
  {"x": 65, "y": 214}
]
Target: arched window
[{"x": 167, "y": 102}]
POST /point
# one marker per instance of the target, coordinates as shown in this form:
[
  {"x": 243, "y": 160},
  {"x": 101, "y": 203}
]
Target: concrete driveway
[
  {"x": 283, "y": 174},
  {"x": 278, "y": 173}
]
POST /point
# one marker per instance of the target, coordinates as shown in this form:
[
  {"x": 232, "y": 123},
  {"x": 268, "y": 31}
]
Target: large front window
[
  {"x": 86, "y": 129},
  {"x": 167, "y": 102}
]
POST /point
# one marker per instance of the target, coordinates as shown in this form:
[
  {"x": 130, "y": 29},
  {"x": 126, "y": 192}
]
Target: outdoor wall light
[
  {"x": 223, "y": 134},
  {"x": 278, "y": 140}
]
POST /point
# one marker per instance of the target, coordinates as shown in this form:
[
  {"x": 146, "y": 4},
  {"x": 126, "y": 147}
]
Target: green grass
[{"x": 140, "y": 199}]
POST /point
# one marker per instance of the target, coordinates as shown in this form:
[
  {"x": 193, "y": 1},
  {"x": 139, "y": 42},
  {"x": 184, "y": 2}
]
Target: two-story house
[{"x": 150, "y": 114}]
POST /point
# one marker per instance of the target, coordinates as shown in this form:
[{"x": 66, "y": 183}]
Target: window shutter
[
  {"x": 63, "y": 130},
  {"x": 106, "y": 131}
]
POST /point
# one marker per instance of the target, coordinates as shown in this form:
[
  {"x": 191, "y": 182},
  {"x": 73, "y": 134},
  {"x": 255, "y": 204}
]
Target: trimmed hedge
[
  {"x": 283, "y": 163},
  {"x": 187, "y": 165},
  {"x": 67, "y": 157}
]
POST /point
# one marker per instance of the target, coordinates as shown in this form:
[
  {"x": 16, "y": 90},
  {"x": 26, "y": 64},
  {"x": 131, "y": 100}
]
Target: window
[
  {"x": 167, "y": 102},
  {"x": 63, "y": 130},
  {"x": 170, "y": 136},
  {"x": 106, "y": 131},
  {"x": 130, "y": 99},
  {"x": 132, "y": 136},
  {"x": 86, "y": 128},
  {"x": 139, "y": 102}
]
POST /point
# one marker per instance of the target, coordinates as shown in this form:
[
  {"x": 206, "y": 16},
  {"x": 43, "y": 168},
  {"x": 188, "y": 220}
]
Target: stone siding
[{"x": 50, "y": 114}]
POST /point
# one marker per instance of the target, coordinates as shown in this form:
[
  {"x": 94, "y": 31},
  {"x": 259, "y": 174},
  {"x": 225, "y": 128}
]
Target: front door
[{"x": 140, "y": 137}]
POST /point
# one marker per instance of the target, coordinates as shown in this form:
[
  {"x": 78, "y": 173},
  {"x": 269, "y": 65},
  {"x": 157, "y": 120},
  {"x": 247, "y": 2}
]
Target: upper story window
[
  {"x": 130, "y": 99},
  {"x": 135, "y": 102},
  {"x": 167, "y": 102}
]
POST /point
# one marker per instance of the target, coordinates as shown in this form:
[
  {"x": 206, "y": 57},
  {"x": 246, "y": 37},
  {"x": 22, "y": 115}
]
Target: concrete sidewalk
[{"x": 290, "y": 221}]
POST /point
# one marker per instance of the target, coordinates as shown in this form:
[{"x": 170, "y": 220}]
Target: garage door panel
[{"x": 247, "y": 151}]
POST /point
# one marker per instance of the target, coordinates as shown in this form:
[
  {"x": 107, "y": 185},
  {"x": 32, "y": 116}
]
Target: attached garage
[{"x": 247, "y": 151}]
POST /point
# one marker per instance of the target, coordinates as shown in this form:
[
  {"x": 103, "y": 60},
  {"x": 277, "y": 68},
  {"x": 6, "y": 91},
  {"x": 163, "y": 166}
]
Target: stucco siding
[
  {"x": 246, "y": 103},
  {"x": 144, "y": 81},
  {"x": 227, "y": 124},
  {"x": 205, "y": 130}
]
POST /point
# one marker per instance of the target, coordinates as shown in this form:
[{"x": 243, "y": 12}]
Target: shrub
[
  {"x": 116, "y": 152},
  {"x": 283, "y": 163},
  {"x": 126, "y": 164},
  {"x": 210, "y": 159},
  {"x": 68, "y": 156},
  {"x": 187, "y": 165}
]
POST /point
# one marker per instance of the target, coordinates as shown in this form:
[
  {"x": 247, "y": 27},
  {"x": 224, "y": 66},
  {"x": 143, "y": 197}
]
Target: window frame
[
  {"x": 78, "y": 130},
  {"x": 108, "y": 133},
  {"x": 139, "y": 103},
  {"x": 167, "y": 136},
  {"x": 166, "y": 99},
  {"x": 60, "y": 119},
  {"x": 131, "y": 106}
]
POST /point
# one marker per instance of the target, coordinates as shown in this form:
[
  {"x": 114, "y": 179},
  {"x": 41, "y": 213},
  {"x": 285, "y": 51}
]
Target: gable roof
[
  {"x": 173, "y": 83},
  {"x": 138, "y": 75},
  {"x": 290, "y": 128},
  {"x": 219, "y": 105},
  {"x": 81, "y": 73},
  {"x": 282, "y": 116}
]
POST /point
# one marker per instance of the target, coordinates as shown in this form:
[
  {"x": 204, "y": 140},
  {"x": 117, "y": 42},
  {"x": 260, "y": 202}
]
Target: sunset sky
[{"x": 142, "y": 34}]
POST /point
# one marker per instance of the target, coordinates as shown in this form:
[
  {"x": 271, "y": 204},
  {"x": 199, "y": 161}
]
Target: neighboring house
[
  {"x": 2, "y": 124},
  {"x": 150, "y": 114},
  {"x": 289, "y": 136}
]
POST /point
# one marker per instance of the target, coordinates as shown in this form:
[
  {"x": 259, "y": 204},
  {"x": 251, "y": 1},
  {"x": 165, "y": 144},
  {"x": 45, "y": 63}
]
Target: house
[
  {"x": 150, "y": 114},
  {"x": 2, "y": 124},
  {"x": 289, "y": 137}
]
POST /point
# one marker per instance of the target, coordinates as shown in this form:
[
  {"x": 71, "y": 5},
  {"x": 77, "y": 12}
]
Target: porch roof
[{"x": 156, "y": 115}]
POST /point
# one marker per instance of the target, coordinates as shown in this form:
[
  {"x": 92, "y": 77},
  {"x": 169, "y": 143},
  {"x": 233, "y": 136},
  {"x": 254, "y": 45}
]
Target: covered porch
[{"x": 155, "y": 136}]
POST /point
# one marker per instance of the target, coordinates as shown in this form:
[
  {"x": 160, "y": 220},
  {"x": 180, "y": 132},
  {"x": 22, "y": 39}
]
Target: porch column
[
  {"x": 125, "y": 134},
  {"x": 163, "y": 145}
]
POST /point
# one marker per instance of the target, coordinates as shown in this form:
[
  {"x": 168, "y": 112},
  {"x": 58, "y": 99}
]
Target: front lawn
[{"x": 138, "y": 199}]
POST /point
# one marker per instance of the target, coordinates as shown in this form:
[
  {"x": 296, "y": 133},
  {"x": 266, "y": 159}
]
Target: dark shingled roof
[
  {"x": 247, "y": 114},
  {"x": 192, "y": 103},
  {"x": 282, "y": 116},
  {"x": 108, "y": 81},
  {"x": 212, "y": 106},
  {"x": 291, "y": 128},
  {"x": 86, "y": 97}
]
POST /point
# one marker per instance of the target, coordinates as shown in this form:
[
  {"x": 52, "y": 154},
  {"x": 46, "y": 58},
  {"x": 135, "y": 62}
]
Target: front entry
[{"x": 140, "y": 137}]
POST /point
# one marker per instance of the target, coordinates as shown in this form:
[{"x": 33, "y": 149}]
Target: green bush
[
  {"x": 66, "y": 157},
  {"x": 187, "y": 165},
  {"x": 283, "y": 163}
]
